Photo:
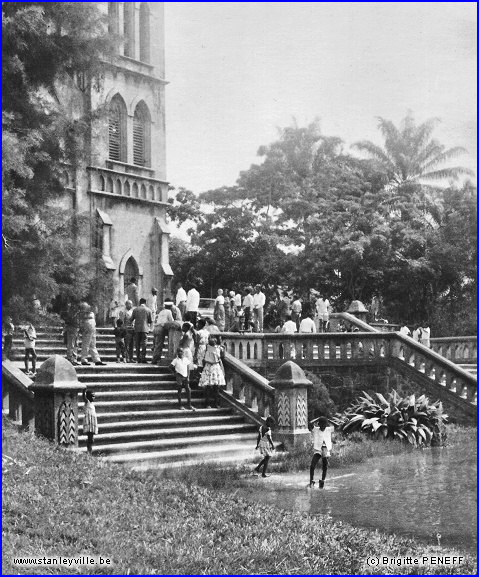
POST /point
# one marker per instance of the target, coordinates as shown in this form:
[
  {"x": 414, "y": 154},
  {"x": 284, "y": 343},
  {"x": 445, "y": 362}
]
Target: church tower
[{"x": 122, "y": 183}]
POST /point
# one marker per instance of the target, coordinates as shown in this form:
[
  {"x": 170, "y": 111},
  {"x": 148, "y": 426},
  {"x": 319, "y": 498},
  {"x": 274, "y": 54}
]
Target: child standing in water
[
  {"x": 212, "y": 376},
  {"x": 90, "y": 423},
  {"x": 265, "y": 445},
  {"x": 322, "y": 446}
]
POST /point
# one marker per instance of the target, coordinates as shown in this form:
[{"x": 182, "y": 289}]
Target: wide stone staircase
[{"x": 138, "y": 417}]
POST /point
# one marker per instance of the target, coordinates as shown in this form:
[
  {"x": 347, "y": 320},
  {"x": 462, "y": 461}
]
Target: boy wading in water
[
  {"x": 322, "y": 446},
  {"x": 265, "y": 445}
]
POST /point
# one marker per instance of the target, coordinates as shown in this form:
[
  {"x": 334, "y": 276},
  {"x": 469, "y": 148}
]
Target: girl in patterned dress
[
  {"x": 212, "y": 376},
  {"x": 90, "y": 423},
  {"x": 265, "y": 446}
]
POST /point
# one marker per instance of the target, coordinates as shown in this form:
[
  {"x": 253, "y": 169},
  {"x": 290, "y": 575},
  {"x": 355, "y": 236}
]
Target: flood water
[{"x": 417, "y": 494}]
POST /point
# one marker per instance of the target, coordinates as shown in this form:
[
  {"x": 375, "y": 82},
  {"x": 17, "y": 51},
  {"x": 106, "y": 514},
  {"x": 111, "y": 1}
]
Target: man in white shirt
[
  {"x": 152, "y": 301},
  {"x": 259, "y": 301},
  {"x": 160, "y": 330},
  {"x": 248, "y": 308},
  {"x": 181, "y": 299},
  {"x": 307, "y": 325},
  {"x": 289, "y": 326},
  {"x": 322, "y": 310},
  {"x": 192, "y": 305},
  {"x": 405, "y": 331}
]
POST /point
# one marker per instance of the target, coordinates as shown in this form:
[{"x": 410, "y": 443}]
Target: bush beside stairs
[{"x": 139, "y": 422}]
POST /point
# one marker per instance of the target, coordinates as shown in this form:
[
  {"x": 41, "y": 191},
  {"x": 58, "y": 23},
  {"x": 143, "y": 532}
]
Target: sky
[{"x": 238, "y": 71}]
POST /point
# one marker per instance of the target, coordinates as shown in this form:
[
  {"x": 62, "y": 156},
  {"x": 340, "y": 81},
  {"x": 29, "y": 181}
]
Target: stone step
[
  {"x": 193, "y": 419},
  {"x": 139, "y": 395},
  {"x": 232, "y": 451},
  {"x": 138, "y": 404},
  {"x": 184, "y": 433},
  {"x": 152, "y": 415},
  {"x": 159, "y": 445},
  {"x": 126, "y": 386}
]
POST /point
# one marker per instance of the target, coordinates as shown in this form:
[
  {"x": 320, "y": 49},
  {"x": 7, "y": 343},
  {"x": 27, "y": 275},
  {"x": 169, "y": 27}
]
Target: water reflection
[{"x": 417, "y": 494}]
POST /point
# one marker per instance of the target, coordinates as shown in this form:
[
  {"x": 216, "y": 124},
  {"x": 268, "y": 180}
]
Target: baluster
[
  {"x": 343, "y": 351},
  {"x": 382, "y": 350},
  {"x": 240, "y": 351},
  {"x": 248, "y": 351},
  {"x": 261, "y": 403},
  {"x": 254, "y": 403},
  {"x": 326, "y": 351},
  {"x": 422, "y": 367},
  {"x": 432, "y": 372},
  {"x": 465, "y": 353},
  {"x": 442, "y": 379},
  {"x": 453, "y": 386}
]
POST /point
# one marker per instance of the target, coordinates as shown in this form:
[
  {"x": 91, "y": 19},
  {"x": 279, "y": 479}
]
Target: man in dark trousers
[{"x": 141, "y": 318}]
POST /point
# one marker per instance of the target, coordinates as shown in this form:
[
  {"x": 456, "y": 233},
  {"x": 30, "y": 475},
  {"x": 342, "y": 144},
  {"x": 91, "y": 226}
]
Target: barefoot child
[
  {"x": 322, "y": 446},
  {"x": 265, "y": 445},
  {"x": 90, "y": 423},
  {"x": 30, "y": 336},
  {"x": 120, "y": 334},
  {"x": 180, "y": 366}
]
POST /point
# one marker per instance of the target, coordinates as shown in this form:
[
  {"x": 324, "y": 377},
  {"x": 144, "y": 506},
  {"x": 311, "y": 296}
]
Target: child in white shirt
[
  {"x": 30, "y": 336},
  {"x": 179, "y": 365},
  {"x": 322, "y": 446}
]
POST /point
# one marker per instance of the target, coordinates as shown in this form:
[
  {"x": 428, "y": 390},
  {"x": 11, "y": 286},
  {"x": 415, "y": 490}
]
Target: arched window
[
  {"x": 141, "y": 135},
  {"x": 131, "y": 271},
  {"x": 144, "y": 32},
  {"x": 113, "y": 18},
  {"x": 117, "y": 129},
  {"x": 129, "y": 29}
]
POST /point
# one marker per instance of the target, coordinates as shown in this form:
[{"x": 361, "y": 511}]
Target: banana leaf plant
[{"x": 413, "y": 420}]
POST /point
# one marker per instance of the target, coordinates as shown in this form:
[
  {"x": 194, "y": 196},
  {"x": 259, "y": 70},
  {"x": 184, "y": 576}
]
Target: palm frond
[
  {"x": 445, "y": 173},
  {"x": 444, "y": 156}
]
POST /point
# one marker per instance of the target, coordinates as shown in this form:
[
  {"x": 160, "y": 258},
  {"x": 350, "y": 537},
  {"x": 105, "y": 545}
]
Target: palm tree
[{"x": 410, "y": 154}]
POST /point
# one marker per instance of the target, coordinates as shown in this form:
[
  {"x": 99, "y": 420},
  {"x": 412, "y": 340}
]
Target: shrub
[
  {"x": 415, "y": 421},
  {"x": 319, "y": 401}
]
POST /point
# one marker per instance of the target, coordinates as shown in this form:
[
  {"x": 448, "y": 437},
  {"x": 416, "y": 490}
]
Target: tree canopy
[
  {"x": 46, "y": 45},
  {"x": 310, "y": 215}
]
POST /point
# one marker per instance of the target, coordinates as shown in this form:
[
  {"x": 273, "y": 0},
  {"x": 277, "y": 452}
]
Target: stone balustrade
[
  {"x": 456, "y": 349},
  {"x": 127, "y": 184},
  {"x": 267, "y": 352},
  {"x": 433, "y": 367},
  {"x": 17, "y": 398}
]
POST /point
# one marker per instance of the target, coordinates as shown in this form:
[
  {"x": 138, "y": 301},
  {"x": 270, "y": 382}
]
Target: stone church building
[{"x": 121, "y": 182}]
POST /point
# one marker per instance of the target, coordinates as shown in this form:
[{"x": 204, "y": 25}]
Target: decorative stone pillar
[
  {"x": 357, "y": 309},
  {"x": 56, "y": 391},
  {"x": 291, "y": 405}
]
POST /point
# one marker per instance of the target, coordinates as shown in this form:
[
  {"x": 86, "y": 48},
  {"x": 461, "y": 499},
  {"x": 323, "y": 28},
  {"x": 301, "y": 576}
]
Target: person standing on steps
[
  {"x": 212, "y": 376},
  {"x": 90, "y": 423},
  {"x": 248, "y": 309},
  {"x": 219, "y": 311},
  {"x": 7, "y": 333},
  {"x": 88, "y": 331},
  {"x": 296, "y": 309},
  {"x": 265, "y": 445},
  {"x": 322, "y": 446},
  {"x": 152, "y": 302},
  {"x": 125, "y": 316},
  {"x": 164, "y": 319},
  {"x": 30, "y": 336},
  {"x": 180, "y": 366},
  {"x": 181, "y": 299},
  {"x": 142, "y": 321},
  {"x": 259, "y": 300},
  {"x": 192, "y": 304},
  {"x": 72, "y": 328},
  {"x": 132, "y": 292},
  {"x": 119, "y": 333}
]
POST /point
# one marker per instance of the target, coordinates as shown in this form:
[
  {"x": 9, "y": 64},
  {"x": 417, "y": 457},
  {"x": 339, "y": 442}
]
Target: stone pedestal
[
  {"x": 291, "y": 405},
  {"x": 357, "y": 309},
  {"x": 56, "y": 391}
]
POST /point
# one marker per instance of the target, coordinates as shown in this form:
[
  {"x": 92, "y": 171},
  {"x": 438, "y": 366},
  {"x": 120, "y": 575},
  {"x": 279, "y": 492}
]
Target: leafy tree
[{"x": 46, "y": 45}]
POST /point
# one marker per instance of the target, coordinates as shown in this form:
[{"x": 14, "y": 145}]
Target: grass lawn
[{"x": 63, "y": 503}]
